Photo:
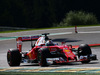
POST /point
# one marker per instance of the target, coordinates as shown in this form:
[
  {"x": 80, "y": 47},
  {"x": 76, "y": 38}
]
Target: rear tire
[{"x": 13, "y": 57}]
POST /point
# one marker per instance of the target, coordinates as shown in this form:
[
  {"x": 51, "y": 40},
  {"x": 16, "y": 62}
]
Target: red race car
[{"x": 45, "y": 52}]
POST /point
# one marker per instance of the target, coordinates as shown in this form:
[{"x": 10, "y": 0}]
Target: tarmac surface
[{"x": 87, "y": 35}]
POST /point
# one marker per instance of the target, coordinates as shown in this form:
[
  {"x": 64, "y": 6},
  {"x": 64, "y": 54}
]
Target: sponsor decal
[
  {"x": 35, "y": 37},
  {"x": 29, "y": 38},
  {"x": 19, "y": 42},
  {"x": 67, "y": 50}
]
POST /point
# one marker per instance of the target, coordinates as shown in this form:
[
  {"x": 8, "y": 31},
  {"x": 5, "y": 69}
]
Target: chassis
[{"x": 47, "y": 55}]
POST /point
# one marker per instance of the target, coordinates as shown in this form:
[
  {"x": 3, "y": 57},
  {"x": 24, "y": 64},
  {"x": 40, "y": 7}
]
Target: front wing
[{"x": 62, "y": 60}]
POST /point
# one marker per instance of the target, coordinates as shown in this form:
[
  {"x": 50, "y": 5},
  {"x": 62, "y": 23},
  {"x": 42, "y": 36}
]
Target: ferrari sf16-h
[{"x": 45, "y": 52}]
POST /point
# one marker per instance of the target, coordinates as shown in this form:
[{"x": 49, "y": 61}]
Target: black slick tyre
[
  {"x": 13, "y": 57},
  {"x": 83, "y": 50},
  {"x": 43, "y": 53}
]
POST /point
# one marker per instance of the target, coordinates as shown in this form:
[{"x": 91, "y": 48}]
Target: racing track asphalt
[{"x": 89, "y": 35}]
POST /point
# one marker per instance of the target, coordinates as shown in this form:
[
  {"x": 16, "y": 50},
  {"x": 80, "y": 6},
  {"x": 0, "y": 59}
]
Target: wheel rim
[{"x": 9, "y": 57}]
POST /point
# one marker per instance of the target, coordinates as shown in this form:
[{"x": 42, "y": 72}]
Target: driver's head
[
  {"x": 46, "y": 38},
  {"x": 49, "y": 43}
]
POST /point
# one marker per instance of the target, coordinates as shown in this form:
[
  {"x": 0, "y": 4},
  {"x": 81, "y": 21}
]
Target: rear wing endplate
[{"x": 19, "y": 41}]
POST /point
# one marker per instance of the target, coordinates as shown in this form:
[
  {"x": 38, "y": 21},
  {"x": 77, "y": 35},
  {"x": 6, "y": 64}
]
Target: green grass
[
  {"x": 10, "y": 31},
  {"x": 51, "y": 73}
]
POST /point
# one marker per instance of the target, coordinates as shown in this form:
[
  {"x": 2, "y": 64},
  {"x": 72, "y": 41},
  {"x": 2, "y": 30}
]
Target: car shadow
[
  {"x": 72, "y": 64},
  {"x": 2, "y": 37},
  {"x": 58, "y": 65},
  {"x": 29, "y": 64},
  {"x": 65, "y": 40},
  {"x": 93, "y": 63}
]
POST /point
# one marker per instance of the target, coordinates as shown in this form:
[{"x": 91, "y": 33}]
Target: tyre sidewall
[
  {"x": 86, "y": 51},
  {"x": 43, "y": 53},
  {"x": 15, "y": 57}
]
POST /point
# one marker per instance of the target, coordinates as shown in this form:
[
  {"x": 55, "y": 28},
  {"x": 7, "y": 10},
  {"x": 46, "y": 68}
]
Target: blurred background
[{"x": 48, "y": 13}]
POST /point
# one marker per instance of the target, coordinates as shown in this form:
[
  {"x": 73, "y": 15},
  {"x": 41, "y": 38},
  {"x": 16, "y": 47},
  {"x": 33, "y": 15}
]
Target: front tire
[
  {"x": 43, "y": 53},
  {"x": 13, "y": 57},
  {"x": 84, "y": 50}
]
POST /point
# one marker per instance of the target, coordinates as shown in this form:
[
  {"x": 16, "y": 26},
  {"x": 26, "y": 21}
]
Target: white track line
[
  {"x": 90, "y": 32},
  {"x": 52, "y": 34}
]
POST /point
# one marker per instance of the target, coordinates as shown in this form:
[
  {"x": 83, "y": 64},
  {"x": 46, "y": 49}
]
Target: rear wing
[
  {"x": 29, "y": 38},
  {"x": 19, "y": 41}
]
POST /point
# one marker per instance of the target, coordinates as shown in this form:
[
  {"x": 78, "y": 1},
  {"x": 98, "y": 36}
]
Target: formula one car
[{"x": 45, "y": 52}]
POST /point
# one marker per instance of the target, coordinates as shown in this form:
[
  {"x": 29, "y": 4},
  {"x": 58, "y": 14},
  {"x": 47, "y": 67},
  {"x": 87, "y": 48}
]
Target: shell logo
[{"x": 67, "y": 50}]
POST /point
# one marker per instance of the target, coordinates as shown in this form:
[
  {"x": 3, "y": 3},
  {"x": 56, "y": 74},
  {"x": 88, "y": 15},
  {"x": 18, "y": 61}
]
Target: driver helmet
[{"x": 49, "y": 43}]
